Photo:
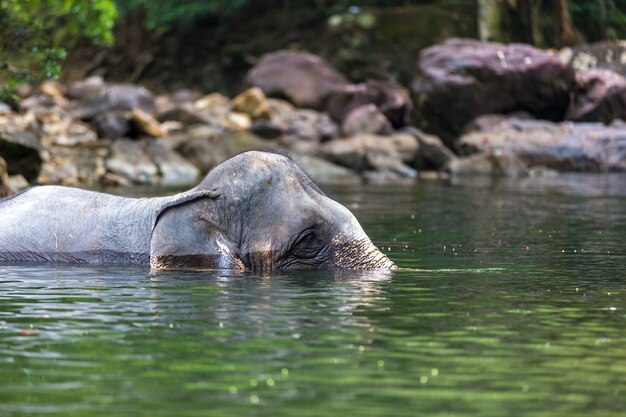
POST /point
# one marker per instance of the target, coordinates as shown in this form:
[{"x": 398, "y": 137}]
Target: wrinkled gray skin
[{"x": 256, "y": 211}]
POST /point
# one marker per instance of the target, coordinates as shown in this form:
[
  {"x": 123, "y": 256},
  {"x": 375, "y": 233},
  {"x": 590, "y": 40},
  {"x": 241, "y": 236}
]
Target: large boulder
[
  {"x": 301, "y": 77},
  {"x": 462, "y": 79},
  {"x": 563, "y": 146},
  {"x": 600, "y": 96}
]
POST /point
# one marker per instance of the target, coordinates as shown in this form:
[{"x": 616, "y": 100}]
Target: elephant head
[{"x": 259, "y": 211}]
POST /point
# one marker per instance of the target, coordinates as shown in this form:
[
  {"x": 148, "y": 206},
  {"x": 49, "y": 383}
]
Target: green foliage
[
  {"x": 161, "y": 13},
  {"x": 34, "y": 36}
]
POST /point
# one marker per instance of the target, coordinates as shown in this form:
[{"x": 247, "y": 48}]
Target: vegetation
[{"x": 35, "y": 35}]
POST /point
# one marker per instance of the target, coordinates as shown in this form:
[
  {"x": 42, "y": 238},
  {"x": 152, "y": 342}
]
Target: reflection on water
[{"x": 511, "y": 301}]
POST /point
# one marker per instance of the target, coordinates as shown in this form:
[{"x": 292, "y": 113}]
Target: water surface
[{"x": 512, "y": 301}]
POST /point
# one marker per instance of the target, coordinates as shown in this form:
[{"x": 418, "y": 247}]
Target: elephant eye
[{"x": 308, "y": 246}]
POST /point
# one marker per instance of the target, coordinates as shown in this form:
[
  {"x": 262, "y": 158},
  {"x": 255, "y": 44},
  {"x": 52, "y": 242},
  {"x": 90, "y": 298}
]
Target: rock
[
  {"x": 207, "y": 152},
  {"x": 366, "y": 152},
  {"x": 609, "y": 55},
  {"x": 366, "y": 119},
  {"x": 323, "y": 171},
  {"x": 462, "y": 79},
  {"x": 128, "y": 160},
  {"x": 253, "y": 103},
  {"x": 173, "y": 168},
  {"x": 184, "y": 114},
  {"x": 54, "y": 90},
  {"x": 112, "y": 125},
  {"x": 36, "y": 104},
  {"x": 266, "y": 129},
  {"x": 301, "y": 77},
  {"x": 5, "y": 185},
  {"x": 406, "y": 145},
  {"x": 564, "y": 146},
  {"x": 391, "y": 98},
  {"x": 599, "y": 96},
  {"x": 210, "y": 101},
  {"x": 116, "y": 97},
  {"x": 81, "y": 165},
  {"x": 301, "y": 125},
  {"x": 487, "y": 121},
  {"x": 238, "y": 121},
  {"x": 145, "y": 123},
  {"x": 18, "y": 183},
  {"x": 432, "y": 153},
  {"x": 23, "y": 153},
  {"x": 75, "y": 133},
  {"x": 87, "y": 89},
  {"x": 112, "y": 180},
  {"x": 499, "y": 164},
  {"x": 5, "y": 108}
]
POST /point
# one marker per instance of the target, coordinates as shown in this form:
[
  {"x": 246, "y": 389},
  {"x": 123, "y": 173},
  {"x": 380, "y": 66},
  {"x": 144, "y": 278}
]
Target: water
[{"x": 512, "y": 302}]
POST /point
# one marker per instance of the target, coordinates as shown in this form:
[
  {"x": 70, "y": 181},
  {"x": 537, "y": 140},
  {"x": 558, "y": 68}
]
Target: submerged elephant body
[{"x": 255, "y": 211}]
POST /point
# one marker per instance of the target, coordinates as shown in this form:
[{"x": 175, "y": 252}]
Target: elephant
[{"x": 255, "y": 211}]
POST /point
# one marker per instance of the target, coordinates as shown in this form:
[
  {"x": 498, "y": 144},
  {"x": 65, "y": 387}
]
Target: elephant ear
[{"x": 185, "y": 235}]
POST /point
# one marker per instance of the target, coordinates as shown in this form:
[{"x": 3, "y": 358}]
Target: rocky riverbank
[{"x": 473, "y": 109}]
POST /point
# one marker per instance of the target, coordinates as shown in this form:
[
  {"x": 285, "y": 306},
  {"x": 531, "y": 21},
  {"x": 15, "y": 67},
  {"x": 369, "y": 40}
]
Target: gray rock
[
  {"x": 112, "y": 125},
  {"x": 432, "y": 153},
  {"x": 128, "y": 160},
  {"x": 81, "y": 165},
  {"x": 366, "y": 119},
  {"x": 116, "y": 97},
  {"x": 325, "y": 172},
  {"x": 366, "y": 153},
  {"x": 207, "y": 152},
  {"x": 173, "y": 168},
  {"x": 564, "y": 146}
]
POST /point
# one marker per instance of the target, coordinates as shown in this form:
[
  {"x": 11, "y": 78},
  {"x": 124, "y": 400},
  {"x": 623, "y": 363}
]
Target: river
[{"x": 510, "y": 300}]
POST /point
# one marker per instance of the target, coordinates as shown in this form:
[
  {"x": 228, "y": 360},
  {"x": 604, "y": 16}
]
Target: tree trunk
[
  {"x": 566, "y": 29},
  {"x": 489, "y": 20}
]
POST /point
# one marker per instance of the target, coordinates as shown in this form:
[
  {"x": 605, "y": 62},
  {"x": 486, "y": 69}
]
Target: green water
[{"x": 513, "y": 303}]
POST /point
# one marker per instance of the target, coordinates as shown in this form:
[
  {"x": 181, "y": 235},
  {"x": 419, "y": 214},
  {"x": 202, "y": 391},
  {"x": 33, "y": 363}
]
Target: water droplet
[
  {"x": 270, "y": 382},
  {"x": 423, "y": 379},
  {"x": 284, "y": 371},
  {"x": 434, "y": 372},
  {"x": 254, "y": 399},
  {"x": 253, "y": 382},
  {"x": 381, "y": 364},
  {"x": 232, "y": 389},
  {"x": 361, "y": 348}
]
